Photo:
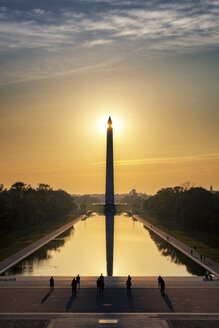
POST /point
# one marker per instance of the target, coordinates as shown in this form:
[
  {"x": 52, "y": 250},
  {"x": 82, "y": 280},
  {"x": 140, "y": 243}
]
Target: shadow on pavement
[
  {"x": 70, "y": 301},
  {"x": 46, "y": 297},
  {"x": 130, "y": 300},
  {"x": 168, "y": 302}
]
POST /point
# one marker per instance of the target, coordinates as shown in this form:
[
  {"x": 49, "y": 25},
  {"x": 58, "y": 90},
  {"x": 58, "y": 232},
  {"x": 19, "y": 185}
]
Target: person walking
[
  {"x": 101, "y": 277},
  {"x": 73, "y": 286},
  {"x": 159, "y": 281},
  {"x": 78, "y": 281},
  {"x": 162, "y": 286},
  {"x": 101, "y": 283},
  {"x": 52, "y": 284},
  {"x": 128, "y": 282}
]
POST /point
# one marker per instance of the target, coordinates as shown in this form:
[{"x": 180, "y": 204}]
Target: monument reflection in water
[
  {"x": 109, "y": 221},
  {"x": 84, "y": 250}
]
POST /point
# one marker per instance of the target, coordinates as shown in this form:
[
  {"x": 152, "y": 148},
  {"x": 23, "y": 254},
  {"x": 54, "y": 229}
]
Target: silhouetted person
[
  {"x": 194, "y": 247},
  {"x": 52, "y": 284},
  {"x": 201, "y": 257},
  {"x": 161, "y": 284},
  {"x": 191, "y": 251},
  {"x": 208, "y": 275},
  {"x": 78, "y": 280},
  {"x": 101, "y": 277},
  {"x": 204, "y": 257},
  {"x": 73, "y": 286},
  {"x": 98, "y": 285},
  {"x": 167, "y": 238},
  {"x": 159, "y": 281},
  {"x": 101, "y": 283},
  {"x": 128, "y": 283}
]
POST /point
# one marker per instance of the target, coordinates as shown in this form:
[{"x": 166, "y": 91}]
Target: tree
[
  {"x": 22, "y": 205},
  {"x": 19, "y": 186},
  {"x": 83, "y": 208},
  {"x": 194, "y": 207},
  {"x": 43, "y": 186}
]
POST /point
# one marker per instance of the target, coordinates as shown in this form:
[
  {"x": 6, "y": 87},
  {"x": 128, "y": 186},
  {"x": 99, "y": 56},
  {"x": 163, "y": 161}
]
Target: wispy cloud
[
  {"x": 108, "y": 65},
  {"x": 152, "y": 26},
  {"x": 164, "y": 160},
  {"x": 149, "y": 20},
  {"x": 98, "y": 42}
]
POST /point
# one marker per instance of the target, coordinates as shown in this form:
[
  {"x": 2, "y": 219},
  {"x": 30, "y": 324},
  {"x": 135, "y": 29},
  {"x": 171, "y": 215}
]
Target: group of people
[
  {"x": 75, "y": 283},
  {"x": 100, "y": 284},
  {"x": 202, "y": 256},
  {"x": 208, "y": 276}
]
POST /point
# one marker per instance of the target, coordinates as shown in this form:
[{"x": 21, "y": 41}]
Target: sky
[{"x": 66, "y": 65}]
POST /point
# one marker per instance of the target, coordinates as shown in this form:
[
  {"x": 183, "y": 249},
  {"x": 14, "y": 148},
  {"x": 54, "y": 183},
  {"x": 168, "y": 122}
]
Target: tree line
[
  {"x": 22, "y": 206},
  {"x": 194, "y": 207}
]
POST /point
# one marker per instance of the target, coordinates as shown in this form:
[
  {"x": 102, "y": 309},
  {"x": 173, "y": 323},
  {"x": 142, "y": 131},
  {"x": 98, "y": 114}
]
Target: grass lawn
[
  {"x": 206, "y": 243},
  {"x": 13, "y": 242}
]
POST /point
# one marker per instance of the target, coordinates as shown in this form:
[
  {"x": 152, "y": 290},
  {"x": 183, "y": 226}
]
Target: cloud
[
  {"x": 108, "y": 65},
  {"x": 146, "y": 22},
  {"x": 98, "y": 42},
  {"x": 39, "y": 11},
  {"x": 151, "y": 26},
  {"x": 164, "y": 160}
]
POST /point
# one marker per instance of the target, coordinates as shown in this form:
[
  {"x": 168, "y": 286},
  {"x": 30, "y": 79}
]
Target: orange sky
[{"x": 57, "y": 83}]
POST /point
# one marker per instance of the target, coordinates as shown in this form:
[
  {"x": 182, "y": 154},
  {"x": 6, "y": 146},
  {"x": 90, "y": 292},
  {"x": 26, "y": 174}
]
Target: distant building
[
  {"x": 133, "y": 192},
  {"x": 216, "y": 192}
]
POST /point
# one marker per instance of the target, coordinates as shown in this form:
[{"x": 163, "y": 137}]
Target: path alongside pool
[
  {"x": 208, "y": 264},
  {"x": 17, "y": 257}
]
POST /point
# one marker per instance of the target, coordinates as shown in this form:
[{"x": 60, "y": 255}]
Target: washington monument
[
  {"x": 109, "y": 200},
  {"x": 109, "y": 195}
]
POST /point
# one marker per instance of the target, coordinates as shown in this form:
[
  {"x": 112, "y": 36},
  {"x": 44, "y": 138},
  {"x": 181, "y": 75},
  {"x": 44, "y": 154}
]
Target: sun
[{"x": 102, "y": 124}]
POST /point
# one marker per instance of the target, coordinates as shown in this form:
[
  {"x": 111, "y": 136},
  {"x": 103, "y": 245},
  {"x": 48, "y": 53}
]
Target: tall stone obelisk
[{"x": 109, "y": 195}]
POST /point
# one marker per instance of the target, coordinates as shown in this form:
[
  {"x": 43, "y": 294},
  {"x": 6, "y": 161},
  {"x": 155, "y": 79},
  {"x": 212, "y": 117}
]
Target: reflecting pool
[{"x": 112, "y": 245}]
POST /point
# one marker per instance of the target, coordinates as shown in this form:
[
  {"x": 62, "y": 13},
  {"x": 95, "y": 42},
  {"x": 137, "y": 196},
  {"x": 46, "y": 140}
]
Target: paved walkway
[
  {"x": 208, "y": 264},
  {"x": 114, "y": 300},
  {"x": 15, "y": 258},
  {"x": 109, "y": 320}
]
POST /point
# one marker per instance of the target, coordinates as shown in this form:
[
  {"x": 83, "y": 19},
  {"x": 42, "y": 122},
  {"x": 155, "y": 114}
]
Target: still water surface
[{"x": 112, "y": 245}]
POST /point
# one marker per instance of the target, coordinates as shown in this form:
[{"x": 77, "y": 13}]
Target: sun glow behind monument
[{"x": 116, "y": 125}]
